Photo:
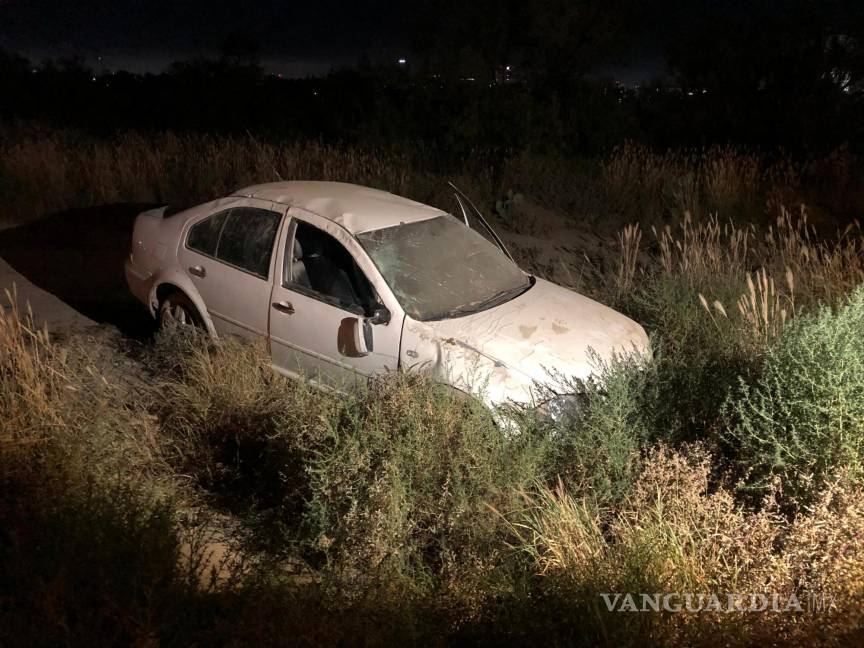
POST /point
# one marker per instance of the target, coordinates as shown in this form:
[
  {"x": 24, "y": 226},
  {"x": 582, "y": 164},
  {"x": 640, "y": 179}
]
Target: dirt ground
[{"x": 559, "y": 248}]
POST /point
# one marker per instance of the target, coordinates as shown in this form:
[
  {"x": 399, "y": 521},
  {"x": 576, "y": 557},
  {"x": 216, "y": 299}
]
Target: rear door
[
  {"x": 228, "y": 255},
  {"x": 325, "y": 283}
]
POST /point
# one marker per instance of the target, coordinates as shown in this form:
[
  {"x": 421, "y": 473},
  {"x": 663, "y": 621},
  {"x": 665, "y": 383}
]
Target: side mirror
[
  {"x": 363, "y": 339},
  {"x": 381, "y": 315},
  {"x": 356, "y": 338}
]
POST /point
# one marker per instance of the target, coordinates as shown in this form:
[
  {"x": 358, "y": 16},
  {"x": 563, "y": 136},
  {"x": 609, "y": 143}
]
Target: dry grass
[
  {"x": 632, "y": 184},
  {"x": 699, "y": 251},
  {"x": 675, "y": 534},
  {"x": 63, "y": 419},
  {"x": 762, "y": 308},
  {"x": 32, "y": 379},
  {"x": 647, "y": 185},
  {"x": 705, "y": 255},
  {"x": 177, "y": 169},
  {"x": 628, "y": 239}
]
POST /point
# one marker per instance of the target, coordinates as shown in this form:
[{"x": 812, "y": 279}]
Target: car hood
[{"x": 547, "y": 331}]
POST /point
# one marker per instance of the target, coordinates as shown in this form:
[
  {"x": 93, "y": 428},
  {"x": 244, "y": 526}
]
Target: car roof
[{"x": 356, "y": 208}]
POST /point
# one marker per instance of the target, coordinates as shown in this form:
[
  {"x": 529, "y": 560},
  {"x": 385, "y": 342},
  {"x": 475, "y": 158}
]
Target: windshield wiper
[{"x": 490, "y": 302}]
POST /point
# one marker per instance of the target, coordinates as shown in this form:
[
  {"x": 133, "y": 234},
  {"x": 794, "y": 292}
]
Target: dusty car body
[{"x": 342, "y": 280}]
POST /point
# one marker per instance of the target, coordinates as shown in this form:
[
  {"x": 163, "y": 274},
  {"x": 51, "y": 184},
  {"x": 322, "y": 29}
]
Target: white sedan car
[{"x": 342, "y": 280}]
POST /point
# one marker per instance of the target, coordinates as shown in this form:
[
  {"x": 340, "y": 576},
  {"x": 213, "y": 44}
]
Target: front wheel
[{"x": 178, "y": 310}]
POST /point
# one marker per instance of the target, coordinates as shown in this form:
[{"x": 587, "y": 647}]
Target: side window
[
  {"x": 247, "y": 239},
  {"x": 316, "y": 263},
  {"x": 204, "y": 235}
]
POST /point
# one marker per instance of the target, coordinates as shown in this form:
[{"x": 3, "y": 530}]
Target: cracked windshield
[{"x": 440, "y": 268}]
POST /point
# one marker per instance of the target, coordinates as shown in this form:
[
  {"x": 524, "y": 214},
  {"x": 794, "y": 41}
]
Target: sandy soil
[{"x": 553, "y": 246}]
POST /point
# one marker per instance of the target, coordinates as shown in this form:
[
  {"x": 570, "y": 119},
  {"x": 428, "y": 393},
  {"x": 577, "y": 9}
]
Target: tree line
[{"x": 506, "y": 76}]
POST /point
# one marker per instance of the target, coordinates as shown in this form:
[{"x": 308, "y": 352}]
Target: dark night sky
[{"x": 294, "y": 38}]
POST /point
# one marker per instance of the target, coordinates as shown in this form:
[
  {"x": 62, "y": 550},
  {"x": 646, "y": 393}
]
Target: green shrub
[
  {"x": 393, "y": 479},
  {"x": 698, "y": 359},
  {"x": 677, "y": 397},
  {"x": 233, "y": 423},
  {"x": 597, "y": 445},
  {"x": 406, "y": 481},
  {"x": 803, "y": 418}
]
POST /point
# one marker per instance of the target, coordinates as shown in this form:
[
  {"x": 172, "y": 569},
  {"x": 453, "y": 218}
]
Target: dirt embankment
[{"x": 556, "y": 247}]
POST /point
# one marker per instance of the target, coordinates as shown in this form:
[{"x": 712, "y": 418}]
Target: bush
[
  {"x": 596, "y": 448},
  {"x": 803, "y": 418},
  {"x": 395, "y": 482},
  {"x": 234, "y": 424},
  {"x": 86, "y": 568},
  {"x": 405, "y": 484},
  {"x": 698, "y": 360}
]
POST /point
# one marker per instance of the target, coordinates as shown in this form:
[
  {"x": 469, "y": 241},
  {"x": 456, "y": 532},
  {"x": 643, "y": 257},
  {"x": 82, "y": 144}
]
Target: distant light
[
  {"x": 402, "y": 61},
  {"x": 507, "y": 68},
  {"x": 690, "y": 94},
  {"x": 94, "y": 78}
]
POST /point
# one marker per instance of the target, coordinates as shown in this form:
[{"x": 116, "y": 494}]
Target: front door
[{"x": 323, "y": 289}]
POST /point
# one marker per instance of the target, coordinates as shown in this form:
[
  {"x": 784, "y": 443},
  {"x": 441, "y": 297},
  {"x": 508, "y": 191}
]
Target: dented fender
[
  {"x": 463, "y": 366},
  {"x": 508, "y": 352}
]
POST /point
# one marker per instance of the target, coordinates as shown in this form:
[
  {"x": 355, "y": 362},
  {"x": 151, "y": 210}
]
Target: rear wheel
[{"x": 178, "y": 310}]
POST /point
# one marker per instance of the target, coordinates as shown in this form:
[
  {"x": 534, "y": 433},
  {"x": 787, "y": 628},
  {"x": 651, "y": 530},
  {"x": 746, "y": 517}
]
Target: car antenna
[{"x": 459, "y": 196}]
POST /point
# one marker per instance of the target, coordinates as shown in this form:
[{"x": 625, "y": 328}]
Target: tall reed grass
[{"x": 43, "y": 172}]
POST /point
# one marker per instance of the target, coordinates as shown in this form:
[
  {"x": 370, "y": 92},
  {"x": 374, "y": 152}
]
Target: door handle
[
  {"x": 284, "y": 307},
  {"x": 198, "y": 271}
]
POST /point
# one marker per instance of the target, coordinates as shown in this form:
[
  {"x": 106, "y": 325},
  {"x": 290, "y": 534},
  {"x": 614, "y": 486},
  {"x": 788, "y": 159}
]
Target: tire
[{"x": 178, "y": 310}]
